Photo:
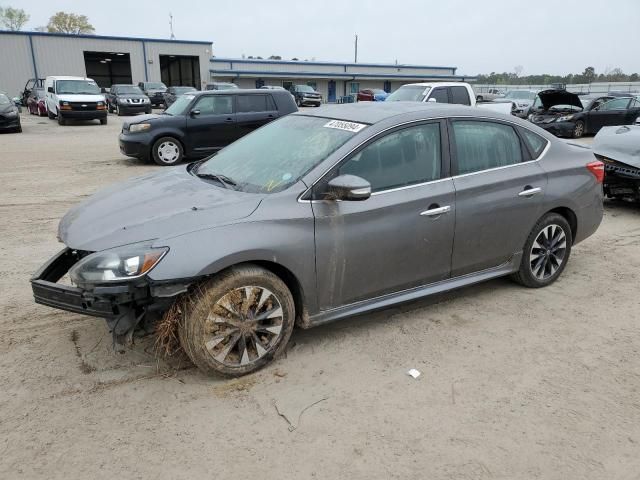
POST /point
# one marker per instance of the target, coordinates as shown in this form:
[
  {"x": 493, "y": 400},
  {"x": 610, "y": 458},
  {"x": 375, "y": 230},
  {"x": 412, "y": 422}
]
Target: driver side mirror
[
  {"x": 50, "y": 89},
  {"x": 349, "y": 188},
  {"x": 432, "y": 100},
  {"x": 194, "y": 113}
]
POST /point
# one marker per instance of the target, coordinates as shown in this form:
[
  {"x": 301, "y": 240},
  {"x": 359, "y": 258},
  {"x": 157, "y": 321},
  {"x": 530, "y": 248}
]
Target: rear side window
[
  {"x": 484, "y": 145},
  {"x": 255, "y": 103},
  {"x": 460, "y": 95},
  {"x": 215, "y": 105},
  {"x": 406, "y": 157},
  {"x": 534, "y": 141},
  {"x": 440, "y": 95}
]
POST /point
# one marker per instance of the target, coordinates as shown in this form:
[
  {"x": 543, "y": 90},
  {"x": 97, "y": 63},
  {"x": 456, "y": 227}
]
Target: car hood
[
  {"x": 551, "y": 98},
  {"x": 154, "y": 118},
  {"x": 621, "y": 144},
  {"x": 81, "y": 98},
  {"x": 159, "y": 205}
]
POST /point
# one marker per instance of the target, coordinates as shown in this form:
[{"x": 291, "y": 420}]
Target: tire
[
  {"x": 50, "y": 115},
  {"x": 118, "y": 111},
  {"x": 109, "y": 108},
  {"x": 19, "y": 129},
  {"x": 147, "y": 111},
  {"x": 61, "y": 121},
  {"x": 167, "y": 151},
  {"x": 578, "y": 130},
  {"x": 298, "y": 102},
  {"x": 103, "y": 121},
  {"x": 243, "y": 345},
  {"x": 541, "y": 265},
  {"x": 479, "y": 98}
]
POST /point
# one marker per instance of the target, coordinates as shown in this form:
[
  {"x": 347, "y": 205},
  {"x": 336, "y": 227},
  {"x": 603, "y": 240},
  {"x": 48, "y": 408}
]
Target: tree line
[
  {"x": 589, "y": 75},
  {"x": 61, "y": 22}
]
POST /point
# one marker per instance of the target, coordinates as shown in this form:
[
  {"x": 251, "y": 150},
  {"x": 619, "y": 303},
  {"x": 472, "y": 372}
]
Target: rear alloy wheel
[
  {"x": 546, "y": 252},
  {"x": 238, "y": 322},
  {"x": 578, "y": 130},
  {"x": 167, "y": 151}
]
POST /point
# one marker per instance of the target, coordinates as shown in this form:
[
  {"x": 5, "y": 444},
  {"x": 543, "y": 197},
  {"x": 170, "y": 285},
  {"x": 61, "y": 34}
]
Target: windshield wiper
[{"x": 223, "y": 179}]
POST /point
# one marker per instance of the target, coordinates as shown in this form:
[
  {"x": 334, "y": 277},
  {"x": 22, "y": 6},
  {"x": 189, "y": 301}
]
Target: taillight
[{"x": 597, "y": 168}]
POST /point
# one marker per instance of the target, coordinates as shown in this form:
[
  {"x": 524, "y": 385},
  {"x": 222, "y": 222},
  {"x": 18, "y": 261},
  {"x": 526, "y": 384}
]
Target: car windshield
[
  {"x": 4, "y": 100},
  {"x": 182, "y": 90},
  {"x": 155, "y": 86},
  {"x": 77, "y": 87},
  {"x": 129, "y": 89},
  {"x": 409, "y": 93},
  {"x": 520, "y": 95},
  {"x": 178, "y": 107},
  {"x": 277, "y": 155},
  {"x": 304, "y": 88}
]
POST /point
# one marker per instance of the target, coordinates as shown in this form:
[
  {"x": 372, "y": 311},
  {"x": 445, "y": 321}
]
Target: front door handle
[
  {"x": 530, "y": 192},
  {"x": 229, "y": 120},
  {"x": 434, "y": 212}
]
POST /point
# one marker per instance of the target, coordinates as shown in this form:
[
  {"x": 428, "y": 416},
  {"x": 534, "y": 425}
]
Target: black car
[
  {"x": 127, "y": 99},
  {"x": 200, "y": 123},
  {"x": 155, "y": 92},
  {"x": 565, "y": 115},
  {"x": 173, "y": 93},
  {"x": 9, "y": 115},
  {"x": 306, "y": 95}
]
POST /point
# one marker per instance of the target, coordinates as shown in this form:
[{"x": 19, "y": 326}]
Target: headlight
[
  {"x": 122, "y": 100},
  {"x": 100, "y": 104},
  {"x": 139, "y": 127},
  {"x": 119, "y": 264},
  {"x": 145, "y": 100},
  {"x": 564, "y": 118},
  {"x": 522, "y": 105},
  {"x": 11, "y": 114}
]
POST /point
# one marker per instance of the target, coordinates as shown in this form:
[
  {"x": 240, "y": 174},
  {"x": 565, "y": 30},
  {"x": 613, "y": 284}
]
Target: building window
[{"x": 354, "y": 87}]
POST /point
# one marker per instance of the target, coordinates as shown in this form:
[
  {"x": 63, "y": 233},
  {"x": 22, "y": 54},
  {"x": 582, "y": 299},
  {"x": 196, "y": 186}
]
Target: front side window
[
  {"x": 405, "y": 157},
  {"x": 180, "y": 105},
  {"x": 617, "y": 104},
  {"x": 484, "y": 145},
  {"x": 460, "y": 95},
  {"x": 440, "y": 95},
  {"x": 215, "y": 105},
  {"x": 277, "y": 155}
]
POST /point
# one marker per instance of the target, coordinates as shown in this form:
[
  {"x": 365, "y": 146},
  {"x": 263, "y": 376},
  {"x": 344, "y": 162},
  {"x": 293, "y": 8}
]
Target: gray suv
[{"x": 319, "y": 216}]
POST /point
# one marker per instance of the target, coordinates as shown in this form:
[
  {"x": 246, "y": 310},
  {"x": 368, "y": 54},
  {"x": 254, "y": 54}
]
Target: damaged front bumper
[{"x": 124, "y": 305}]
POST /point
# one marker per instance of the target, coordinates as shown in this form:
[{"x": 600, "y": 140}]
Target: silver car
[{"x": 320, "y": 216}]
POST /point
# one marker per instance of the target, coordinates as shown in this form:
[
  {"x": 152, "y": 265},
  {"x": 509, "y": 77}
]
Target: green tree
[
  {"x": 63, "y": 22},
  {"x": 13, "y": 18},
  {"x": 589, "y": 74}
]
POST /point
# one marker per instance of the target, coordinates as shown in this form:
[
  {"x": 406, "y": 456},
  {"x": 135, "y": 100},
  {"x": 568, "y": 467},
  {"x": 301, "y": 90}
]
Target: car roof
[
  {"x": 238, "y": 91},
  {"x": 374, "y": 112},
  {"x": 437, "y": 84}
]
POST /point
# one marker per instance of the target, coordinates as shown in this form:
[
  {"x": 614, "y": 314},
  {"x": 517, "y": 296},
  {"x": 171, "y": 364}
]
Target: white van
[{"x": 74, "y": 97}]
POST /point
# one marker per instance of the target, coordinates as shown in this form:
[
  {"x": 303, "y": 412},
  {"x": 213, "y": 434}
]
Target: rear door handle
[
  {"x": 228, "y": 120},
  {"x": 530, "y": 192},
  {"x": 434, "y": 212}
]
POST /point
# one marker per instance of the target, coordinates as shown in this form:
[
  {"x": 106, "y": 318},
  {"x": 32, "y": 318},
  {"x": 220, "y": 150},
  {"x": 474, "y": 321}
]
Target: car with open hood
[
  {"x": 619, "y": 149},
  {"x": 319, "y": 216},
  {"x": 564, "y": 114},
  {"x": 126, "y": 99},
  {"x": 9, "y": 115},
  {"x": 36, "y": 102}
]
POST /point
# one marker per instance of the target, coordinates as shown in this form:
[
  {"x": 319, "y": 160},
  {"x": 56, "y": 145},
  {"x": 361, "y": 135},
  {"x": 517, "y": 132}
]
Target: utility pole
[
  {"x": 173, "y": 37},
  {"x": 355, "y": 60}
]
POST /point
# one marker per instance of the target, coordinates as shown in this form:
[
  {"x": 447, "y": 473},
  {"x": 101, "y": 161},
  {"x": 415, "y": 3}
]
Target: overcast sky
[{"x": 558, "y": 37}]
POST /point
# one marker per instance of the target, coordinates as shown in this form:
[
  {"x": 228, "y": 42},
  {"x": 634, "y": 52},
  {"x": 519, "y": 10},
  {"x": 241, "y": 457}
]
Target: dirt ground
[{"x": 515, "y": 384}]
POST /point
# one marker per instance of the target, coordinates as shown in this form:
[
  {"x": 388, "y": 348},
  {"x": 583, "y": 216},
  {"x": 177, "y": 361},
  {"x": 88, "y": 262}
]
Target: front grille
[
  {"x": 135, "y": 101},
  {"x": 83, "y": 105}
]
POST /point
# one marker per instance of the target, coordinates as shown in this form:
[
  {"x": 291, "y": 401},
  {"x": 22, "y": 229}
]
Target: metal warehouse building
[
  {"x": 329, "y": 78},
  {"x": 108, "y": 60},
  {"x": 25, "y": 55}
]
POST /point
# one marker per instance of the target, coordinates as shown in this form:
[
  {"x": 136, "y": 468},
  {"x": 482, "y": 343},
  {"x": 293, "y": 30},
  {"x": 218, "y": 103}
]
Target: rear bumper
[{"x": 83, "y": 114}]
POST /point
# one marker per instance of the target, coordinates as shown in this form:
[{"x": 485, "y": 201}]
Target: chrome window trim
[{"x": 422, "y": 120}]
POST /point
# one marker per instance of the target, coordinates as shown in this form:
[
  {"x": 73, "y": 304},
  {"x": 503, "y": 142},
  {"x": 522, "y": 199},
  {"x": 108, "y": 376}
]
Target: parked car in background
[
  {"x": 173, "y": 93},
  {"x": 126, "y": 99},
  {"x": 76, "y": 98},
  {"x": 9, "y": 115},
  {"x": 287, "y": 225},
  {"x": 155, "y": 91},
  {"x": 619, "y": 149},
  {"x": 489, "y": 94},
  {"x": 520, "y": 100},
  {"x": 372, "y": 95},
  {"x": 36, "y": 102},
  {"x": 459, "y": 93},
  {"x": 276, "y": 87},
  {"x": 29, "y": 86},
  {"x": 565, "y": 115},
  {"x": 221, "y": 86},
  {"x": 306, "y": 95},
  {"x": 201, "y": 123}
]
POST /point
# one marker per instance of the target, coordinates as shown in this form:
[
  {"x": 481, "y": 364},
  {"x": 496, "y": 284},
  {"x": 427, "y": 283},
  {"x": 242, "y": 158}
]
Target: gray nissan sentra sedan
[{"x": 322, "y": 215}]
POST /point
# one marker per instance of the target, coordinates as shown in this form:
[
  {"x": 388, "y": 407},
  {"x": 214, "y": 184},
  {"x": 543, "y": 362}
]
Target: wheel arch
[{"x": 570, "y": 216}]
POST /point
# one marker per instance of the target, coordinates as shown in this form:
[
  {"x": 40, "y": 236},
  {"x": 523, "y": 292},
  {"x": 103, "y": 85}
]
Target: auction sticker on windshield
[{"x": 342, "y": 125}]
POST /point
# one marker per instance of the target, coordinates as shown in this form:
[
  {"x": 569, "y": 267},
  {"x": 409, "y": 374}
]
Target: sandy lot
[{"x": 515, "y": 384}]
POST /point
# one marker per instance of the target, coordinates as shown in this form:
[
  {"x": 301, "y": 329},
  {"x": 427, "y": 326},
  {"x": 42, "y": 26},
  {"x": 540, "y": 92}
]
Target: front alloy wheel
[
  {"x": 578, "y": 130},
  {"x": 238, "y": 322},
  {"x": 546, "y": 252}
]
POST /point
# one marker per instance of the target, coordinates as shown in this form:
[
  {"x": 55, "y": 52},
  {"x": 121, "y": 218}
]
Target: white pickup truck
[{"x": 444, "y": 92}]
